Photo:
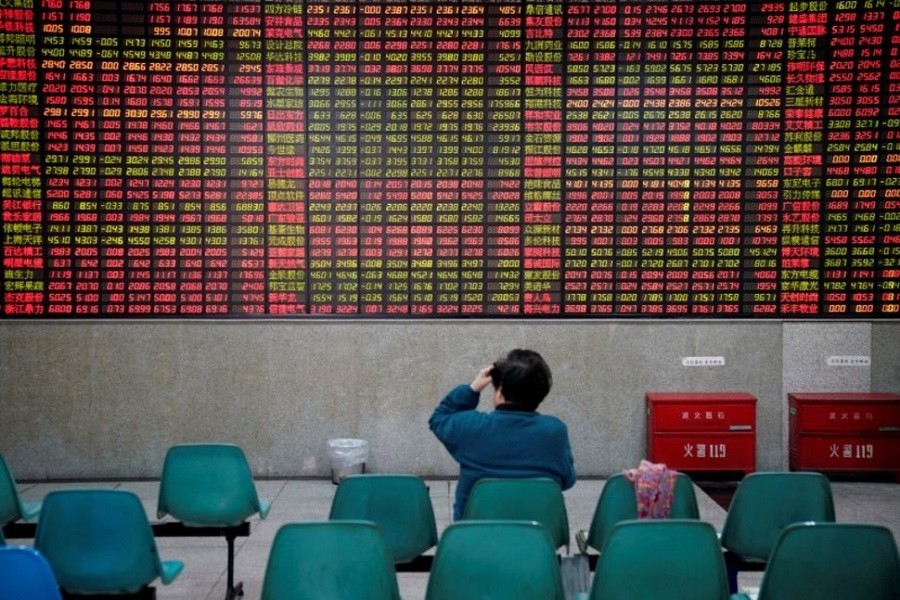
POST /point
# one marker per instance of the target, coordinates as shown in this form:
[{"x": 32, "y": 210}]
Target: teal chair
[
  {"x": 499, "y": 560},
  {"x": 832, "y": 561},
  {"x": 398, "y": 504},
  {"x": 337, "y": 560},
  {"x": 646, "y": 559},
  {"x": 25, "y": 575},
  {"x": 763, "y": 504},
  {"x": 528, "y": 499},
  {"x": 100, "y": 542},
  {"x": 12, "y": 508},
  {"x": 210, "y": 485},
  {"x": 617, "y": 503}
]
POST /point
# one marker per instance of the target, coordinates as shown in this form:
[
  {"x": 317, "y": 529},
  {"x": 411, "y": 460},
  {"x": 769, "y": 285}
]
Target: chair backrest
[
  {"x": 527, "y": 499},
  {"x": 838, "y": 561},
  {"x": 24, "y": 573},
  {"x": 501, "y": 560},
  {"x": 618, "y": 503},
  {"x": 100, "y": 541},
  {"x": 208, "y": 485},
  {"x": 329, "y": 559},
  {"x": 398, "y": 504},
  {"x": 676, "y": 559},
  {"x": 12, "y": 508},
  {"x": 764, "y": 503}
]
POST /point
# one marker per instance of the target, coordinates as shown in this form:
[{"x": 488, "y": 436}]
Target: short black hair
[{"x": 524, "y": 377}]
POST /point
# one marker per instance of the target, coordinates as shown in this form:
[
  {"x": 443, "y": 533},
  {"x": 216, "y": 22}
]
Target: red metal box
[
  {"x": 702, "y": 431},
  {"x": 849, "y": 432}
]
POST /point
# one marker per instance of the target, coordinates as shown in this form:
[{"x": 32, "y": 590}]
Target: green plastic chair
[
  {"x": 12, "y": 507},
  {"x": 646, "y": 559},
  {"x": 832, "y": 561},
  {"x": 617, "y": 503},
  {"x": 206, "y": 485},
  {"x": 338, "y": 560},
  {"x": 499, "y": 560},
  {"x": 26, "y": 575},
  {"x": 100, "y": 542},
  {"x": 528, "y": 499},
  {"x": 210, "y": 485},
  {"x": 398, "y": 504},
  {"x": 763, "y": 504}
]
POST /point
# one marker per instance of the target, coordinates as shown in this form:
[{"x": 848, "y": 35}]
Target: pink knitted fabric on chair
[{"x": 654, "y": 489}]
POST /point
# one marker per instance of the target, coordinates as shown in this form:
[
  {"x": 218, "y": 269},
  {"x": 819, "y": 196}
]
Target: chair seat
[
  {"x": 171, "y": 569},
  {"x": 12, "y": 507},
  {"x": 264, "y": 507},
  {"x": 30, "y": 510}
]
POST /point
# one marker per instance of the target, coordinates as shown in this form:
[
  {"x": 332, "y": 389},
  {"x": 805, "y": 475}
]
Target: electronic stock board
[{"x": 443, "y": 159}]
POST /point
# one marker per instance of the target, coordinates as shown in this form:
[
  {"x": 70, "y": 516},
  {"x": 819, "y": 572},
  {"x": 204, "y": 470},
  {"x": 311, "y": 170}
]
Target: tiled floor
[{"x": 298, "y": 500}]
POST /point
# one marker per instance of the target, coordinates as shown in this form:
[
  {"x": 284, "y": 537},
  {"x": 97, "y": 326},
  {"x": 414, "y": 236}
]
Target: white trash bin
[{"x": 348, "y": 456}]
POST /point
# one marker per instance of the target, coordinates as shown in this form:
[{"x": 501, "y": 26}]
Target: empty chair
[
  {"x": 832, "y": 561},
  {"x": 12, "y": 507},
  {"x": 398, "y": 504},
  {"x": 500, "y": 560},
  {"x": 210, "y": 485},
  {"x": 528, "y": 499},
  {"x": 25, "y": 574},
  {"x": 676, "y": 559},
  {"x": 100, "y": 542},
  {"x": 764, "y": 504},
  {"x": 617, "y": 503},
  {"x": 339, "y": 560}
]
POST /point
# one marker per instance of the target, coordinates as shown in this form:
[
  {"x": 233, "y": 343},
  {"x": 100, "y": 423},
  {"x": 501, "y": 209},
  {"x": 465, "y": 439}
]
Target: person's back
[{"x": 512, "y": 441}]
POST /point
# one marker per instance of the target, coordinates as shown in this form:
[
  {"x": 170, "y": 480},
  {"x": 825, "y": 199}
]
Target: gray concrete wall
[
  {"x": 106, "y": 399},
  {"x": 886, "y": 357}
]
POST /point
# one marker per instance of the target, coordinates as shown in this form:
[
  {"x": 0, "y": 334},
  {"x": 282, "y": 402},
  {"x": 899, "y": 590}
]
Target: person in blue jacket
[{"x": 513, "y": 440}]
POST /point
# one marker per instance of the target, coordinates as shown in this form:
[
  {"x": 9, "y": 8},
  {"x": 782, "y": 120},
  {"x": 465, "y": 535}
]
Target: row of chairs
[
  {"x": 400, "y": 506},
  {"x": 780, "y": 522},
  {"x": 765, "y": 507},
  {"x": 101, "y": 541},
  {"x": 682, "y": 560},
  {"x": 506, "y": 560}
]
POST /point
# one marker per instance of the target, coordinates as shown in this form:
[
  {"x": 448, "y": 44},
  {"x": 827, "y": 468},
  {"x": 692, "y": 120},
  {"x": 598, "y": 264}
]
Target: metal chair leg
[
  {"x": 732, "y": 570},
  {"x": 235, "y": 590}
]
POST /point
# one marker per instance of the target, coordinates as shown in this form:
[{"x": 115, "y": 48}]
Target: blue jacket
[{"x": 504, "y": 443}]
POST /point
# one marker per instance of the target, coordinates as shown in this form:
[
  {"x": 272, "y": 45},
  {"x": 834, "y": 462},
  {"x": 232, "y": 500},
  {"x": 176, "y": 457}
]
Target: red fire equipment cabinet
[
  {"x": 702, "y": 431},
  {"x": 845, "y": 432}
]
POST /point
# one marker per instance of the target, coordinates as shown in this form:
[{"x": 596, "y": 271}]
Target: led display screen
[{"x": 371, "y": 157}]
